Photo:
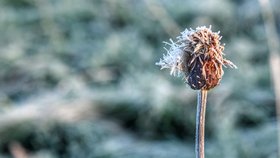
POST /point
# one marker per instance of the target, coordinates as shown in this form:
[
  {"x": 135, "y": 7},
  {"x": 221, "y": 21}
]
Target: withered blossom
[{"x": 198, "y": 55}]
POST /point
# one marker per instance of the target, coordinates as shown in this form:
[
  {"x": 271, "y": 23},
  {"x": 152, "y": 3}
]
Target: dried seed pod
[
  {"x": 195, "y": 78},
  {"x": 198, "y": 55}
]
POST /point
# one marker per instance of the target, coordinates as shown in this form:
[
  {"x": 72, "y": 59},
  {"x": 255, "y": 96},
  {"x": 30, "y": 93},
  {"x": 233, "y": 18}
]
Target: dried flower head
[{"x": 198, "y": 54}]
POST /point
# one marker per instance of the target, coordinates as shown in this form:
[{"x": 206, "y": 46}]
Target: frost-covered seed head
[{"x": 198, "y": 55}]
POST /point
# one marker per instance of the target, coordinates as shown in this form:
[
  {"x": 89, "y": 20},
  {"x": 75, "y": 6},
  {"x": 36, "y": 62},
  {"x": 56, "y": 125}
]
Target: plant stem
[
  {"x": 274, "y": 57},
  {"x": 200, "y": 123}
]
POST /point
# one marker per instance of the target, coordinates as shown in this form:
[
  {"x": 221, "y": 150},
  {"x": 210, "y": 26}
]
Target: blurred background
[{"x": 78, "y": 80}]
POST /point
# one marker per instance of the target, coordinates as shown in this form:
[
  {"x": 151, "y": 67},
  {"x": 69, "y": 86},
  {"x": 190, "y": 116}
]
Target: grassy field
[{"x": 78, "y": 80}]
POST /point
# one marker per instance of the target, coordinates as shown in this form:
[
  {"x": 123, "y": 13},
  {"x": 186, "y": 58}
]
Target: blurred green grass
[{"x": 105, "y": 51}]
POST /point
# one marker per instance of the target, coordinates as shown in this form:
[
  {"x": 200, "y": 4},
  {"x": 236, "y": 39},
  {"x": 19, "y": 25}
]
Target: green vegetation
[{"x": 78, "y": 79}]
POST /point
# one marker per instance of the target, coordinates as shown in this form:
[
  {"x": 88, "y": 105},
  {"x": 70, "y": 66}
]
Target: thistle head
[{"x": 198, "y": 55}]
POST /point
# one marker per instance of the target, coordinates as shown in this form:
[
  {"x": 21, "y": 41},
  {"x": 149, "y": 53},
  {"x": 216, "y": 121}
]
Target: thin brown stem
[{"x": 200, "y": 123}]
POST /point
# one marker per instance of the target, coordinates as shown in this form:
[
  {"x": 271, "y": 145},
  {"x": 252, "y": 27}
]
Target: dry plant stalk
[
  {"x": 274, "y": 56},
  {"x": 198, "y": 56}
]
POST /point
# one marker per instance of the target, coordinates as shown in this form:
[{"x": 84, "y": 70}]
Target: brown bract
[{"x": 204, "y": 60}]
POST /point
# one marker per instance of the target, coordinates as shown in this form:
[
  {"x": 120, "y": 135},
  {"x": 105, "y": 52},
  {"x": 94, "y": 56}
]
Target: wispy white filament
[{"x": 173, "y": 59}]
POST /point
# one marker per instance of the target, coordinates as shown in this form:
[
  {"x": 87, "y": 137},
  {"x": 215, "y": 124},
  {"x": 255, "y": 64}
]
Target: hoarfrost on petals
[
  {"x": 195, "y": 46},
  {"x": 172, "y": 59}
]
